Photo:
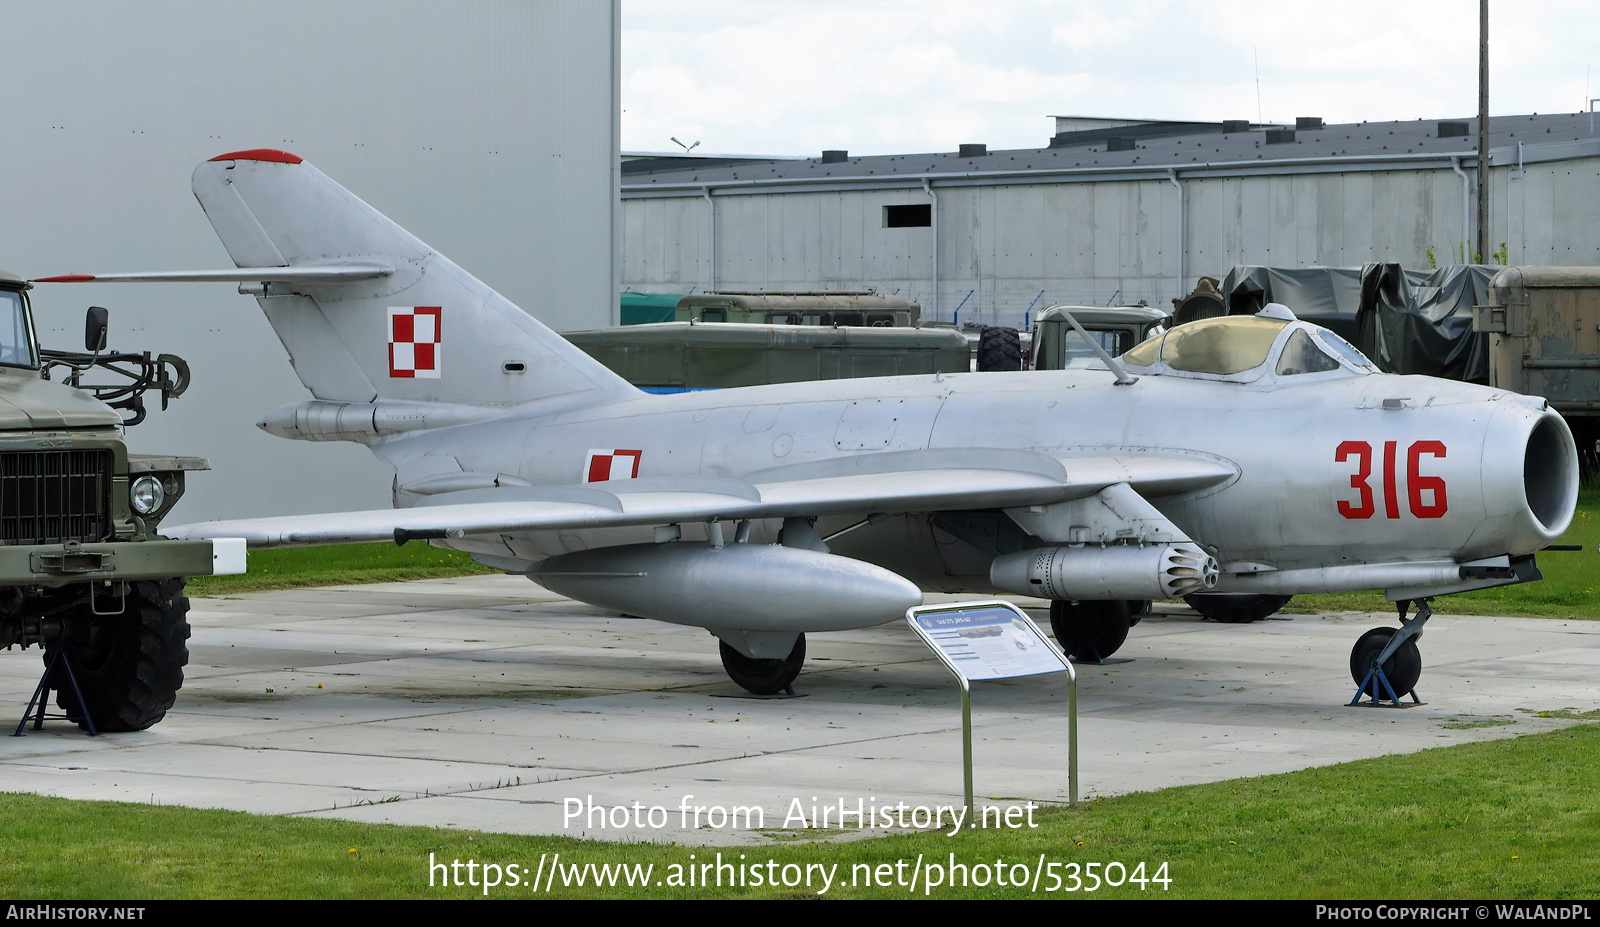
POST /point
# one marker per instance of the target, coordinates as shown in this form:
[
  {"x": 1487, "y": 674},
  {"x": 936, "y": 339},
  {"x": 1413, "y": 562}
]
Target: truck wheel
[
  {"x": 999, "y": 349},
  {"x": 130, "y": 664}
]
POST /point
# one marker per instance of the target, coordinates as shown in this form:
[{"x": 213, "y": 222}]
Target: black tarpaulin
[
  {"x": 1406, "y": 321},
  {"x": 1412, "y": 325},
  {"x": 1326, "y": 296}
]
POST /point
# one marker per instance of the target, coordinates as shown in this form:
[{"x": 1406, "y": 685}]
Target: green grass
[
  {"x": 344, "y": 564},
  {"x": 1505, "y": 819},
  {"x": 1567, "y": 590}
]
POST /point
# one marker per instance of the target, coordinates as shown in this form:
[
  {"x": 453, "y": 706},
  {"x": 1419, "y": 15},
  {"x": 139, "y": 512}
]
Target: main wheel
[
  {"x": 1234, "y": 608},
  {"x": 129, "y": 665},
  {"x": 999, "y": 349},
  {"x": 764, "y": 677},
  {"x": 1403, "y": 668},
  {"x": 1103, "y": 623}
]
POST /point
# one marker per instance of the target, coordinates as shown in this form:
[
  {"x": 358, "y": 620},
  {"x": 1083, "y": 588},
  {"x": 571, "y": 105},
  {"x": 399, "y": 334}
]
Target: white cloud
[{"x": 892, "y": 76}]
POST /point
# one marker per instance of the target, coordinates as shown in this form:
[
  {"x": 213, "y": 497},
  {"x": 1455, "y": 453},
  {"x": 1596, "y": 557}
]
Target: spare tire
[{"x": 999, "y": 349}]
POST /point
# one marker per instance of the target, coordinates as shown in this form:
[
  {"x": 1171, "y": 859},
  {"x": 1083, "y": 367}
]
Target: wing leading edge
[{"x": 892, "y": 483}]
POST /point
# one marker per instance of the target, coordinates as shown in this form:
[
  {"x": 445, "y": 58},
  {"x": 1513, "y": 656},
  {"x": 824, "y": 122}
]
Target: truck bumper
[{"x": 71, "y": 563}]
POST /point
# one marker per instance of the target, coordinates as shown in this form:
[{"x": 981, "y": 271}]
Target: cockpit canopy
[{"x": 1244, "y": 348}]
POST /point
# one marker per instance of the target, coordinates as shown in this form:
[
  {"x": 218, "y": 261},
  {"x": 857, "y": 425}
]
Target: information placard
[
  {"x": 988, "y": 641},
  {"x": 980, "y": 641}
]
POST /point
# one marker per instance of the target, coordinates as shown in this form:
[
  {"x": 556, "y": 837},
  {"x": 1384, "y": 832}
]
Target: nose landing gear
[{"x": 1385, "y": 662}]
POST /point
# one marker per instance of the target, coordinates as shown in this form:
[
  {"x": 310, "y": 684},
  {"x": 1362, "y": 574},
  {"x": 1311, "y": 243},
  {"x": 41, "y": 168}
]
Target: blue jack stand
[
  {"x": 61, "y": 663},
  {"x": 1383, "y": 697}
]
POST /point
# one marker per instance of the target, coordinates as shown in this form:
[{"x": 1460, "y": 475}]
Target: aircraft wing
[{"x": 890, "y": 483}]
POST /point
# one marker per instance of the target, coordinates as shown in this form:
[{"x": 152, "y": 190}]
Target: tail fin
[{"x": 429, "y": 332}]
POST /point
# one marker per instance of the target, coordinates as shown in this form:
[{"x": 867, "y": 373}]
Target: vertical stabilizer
[{"x": 429, "y": 332}]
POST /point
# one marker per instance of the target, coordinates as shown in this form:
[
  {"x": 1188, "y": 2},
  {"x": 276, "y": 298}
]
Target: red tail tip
[
  {"x": 64, "y": 278},
  {"x": 260, "y": 154}
]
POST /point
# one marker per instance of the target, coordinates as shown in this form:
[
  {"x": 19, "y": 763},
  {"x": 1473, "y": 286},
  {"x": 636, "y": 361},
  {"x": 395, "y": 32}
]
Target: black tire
[
  {"x": 129, "y": 665},
  {"x": 1101, "y": 623},
  {"x": 1137, "y": 609},
  {"x": 1236, "y": 609},
  {"x": 764, "y": 677},
  {"x": 999, "y": 349},
  {"x": 1403, "y": 668}
]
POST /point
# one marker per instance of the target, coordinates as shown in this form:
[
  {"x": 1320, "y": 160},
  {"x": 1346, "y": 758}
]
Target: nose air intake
[{"x": 1550, "y": 474}]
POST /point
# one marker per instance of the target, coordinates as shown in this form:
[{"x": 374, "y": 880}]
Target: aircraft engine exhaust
[
  {"x": 755, "y": 587},
  {"x": 1118, "y": 571}
]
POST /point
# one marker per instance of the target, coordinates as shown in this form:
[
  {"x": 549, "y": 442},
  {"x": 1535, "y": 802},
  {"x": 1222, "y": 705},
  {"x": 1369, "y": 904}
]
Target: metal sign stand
[{"x": 995, "y": 639}]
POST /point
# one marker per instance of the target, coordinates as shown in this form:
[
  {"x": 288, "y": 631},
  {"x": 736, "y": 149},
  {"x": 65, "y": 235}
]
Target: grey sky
[{"x": 886, "y": 76}]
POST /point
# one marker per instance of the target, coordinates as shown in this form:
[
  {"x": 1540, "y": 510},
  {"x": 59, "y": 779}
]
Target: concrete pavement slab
[{"x": 486, "y": 702}]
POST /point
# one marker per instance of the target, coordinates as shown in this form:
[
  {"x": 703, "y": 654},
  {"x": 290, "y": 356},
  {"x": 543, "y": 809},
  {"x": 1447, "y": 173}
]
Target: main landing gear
[
  {"x": 1386, "y": 663},
  {"x": 1235, "y": 608},
  {"x": 1089, "y": 630},
  {"x": 764, "y": 677}
]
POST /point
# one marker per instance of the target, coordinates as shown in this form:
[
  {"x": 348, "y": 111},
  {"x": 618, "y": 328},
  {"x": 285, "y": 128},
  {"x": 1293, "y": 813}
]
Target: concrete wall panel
[{"x": 1085, "y": 242}]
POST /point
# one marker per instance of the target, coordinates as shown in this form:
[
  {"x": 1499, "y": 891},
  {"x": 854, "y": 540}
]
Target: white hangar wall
[
  {"x": 489, "y": 130},
  {"x": 1089, "y": 241}
]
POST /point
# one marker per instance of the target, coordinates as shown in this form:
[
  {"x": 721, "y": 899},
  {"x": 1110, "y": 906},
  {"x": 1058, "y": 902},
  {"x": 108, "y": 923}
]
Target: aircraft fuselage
[{"x": 1361, "y": 469}]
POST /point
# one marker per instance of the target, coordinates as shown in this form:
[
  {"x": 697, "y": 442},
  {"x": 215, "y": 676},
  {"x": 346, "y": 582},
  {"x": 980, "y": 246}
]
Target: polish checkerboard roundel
[
  {"x": 612, "y": 464},
  {"x": 414, "y": 342}
]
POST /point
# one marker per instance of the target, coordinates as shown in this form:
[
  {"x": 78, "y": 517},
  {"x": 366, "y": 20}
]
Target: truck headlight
[{"x": 147, "y": 494}]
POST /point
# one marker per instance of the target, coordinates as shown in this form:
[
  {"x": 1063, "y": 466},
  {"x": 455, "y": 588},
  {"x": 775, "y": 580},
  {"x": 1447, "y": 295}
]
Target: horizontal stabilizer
[{"x": 314, "y": 273}]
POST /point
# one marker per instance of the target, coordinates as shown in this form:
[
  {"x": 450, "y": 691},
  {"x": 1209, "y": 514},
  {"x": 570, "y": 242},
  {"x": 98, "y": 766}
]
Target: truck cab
[{"x": 1058, "y": 346}]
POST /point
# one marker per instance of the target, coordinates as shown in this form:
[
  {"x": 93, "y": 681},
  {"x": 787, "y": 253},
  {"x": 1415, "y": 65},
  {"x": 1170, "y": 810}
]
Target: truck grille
[{"x": 47, "y": 497}]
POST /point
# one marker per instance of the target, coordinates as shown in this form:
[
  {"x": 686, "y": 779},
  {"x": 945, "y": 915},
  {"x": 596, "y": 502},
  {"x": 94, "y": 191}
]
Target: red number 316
[{"x": 1418, "y": 487}]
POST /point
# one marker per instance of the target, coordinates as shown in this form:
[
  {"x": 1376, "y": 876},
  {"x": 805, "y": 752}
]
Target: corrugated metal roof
[{"x": 1208, "y": 149}]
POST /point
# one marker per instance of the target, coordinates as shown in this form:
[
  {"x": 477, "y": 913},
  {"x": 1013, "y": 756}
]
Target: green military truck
[
  {"x": 802, "y": 307},
  {"x": 722, "y": 340},
  {"x": 83, "y": 572},
  {"x": 677, "y": 356}
]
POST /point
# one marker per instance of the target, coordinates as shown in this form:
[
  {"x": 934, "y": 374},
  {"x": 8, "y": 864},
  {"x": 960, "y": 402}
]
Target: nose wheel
[{"x": 1386, "y": 663}]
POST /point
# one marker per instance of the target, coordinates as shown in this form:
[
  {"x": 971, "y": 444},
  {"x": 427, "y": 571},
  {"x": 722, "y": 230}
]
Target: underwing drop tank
[{"x": 752, "y": 586}]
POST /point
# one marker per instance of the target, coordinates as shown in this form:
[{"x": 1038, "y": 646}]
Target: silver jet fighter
[{"x": 1250, "y": 455}]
